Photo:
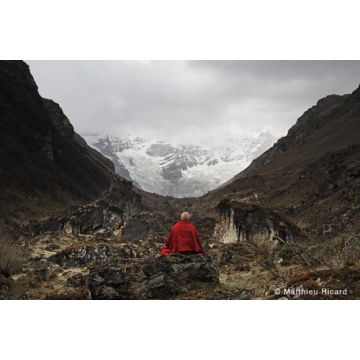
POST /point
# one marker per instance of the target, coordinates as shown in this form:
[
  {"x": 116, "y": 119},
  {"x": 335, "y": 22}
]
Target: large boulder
[{"x": 156, "y": 278}]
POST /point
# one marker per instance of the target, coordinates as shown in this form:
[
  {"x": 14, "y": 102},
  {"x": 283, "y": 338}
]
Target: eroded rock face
[
  {"x": 82, "y": 221},
  {"x": 254, "y": 224},
  {"x": 157, "y": 278},
  {"x": 108, "y": 214}
]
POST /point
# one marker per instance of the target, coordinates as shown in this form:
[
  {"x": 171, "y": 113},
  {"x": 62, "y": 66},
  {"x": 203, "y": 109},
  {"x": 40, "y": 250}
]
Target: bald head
[{"x": 185, "y": 216}]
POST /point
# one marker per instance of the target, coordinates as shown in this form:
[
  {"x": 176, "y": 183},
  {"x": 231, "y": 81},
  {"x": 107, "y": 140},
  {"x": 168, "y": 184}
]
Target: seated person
[{"x": 183, "y": 238}]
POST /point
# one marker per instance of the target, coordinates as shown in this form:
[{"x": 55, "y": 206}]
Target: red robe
[{"x": 183, "y": 237}]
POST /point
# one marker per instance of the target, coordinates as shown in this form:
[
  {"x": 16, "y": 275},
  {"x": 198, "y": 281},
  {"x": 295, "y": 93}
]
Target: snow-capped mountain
[{"x": 180, "y": 170}]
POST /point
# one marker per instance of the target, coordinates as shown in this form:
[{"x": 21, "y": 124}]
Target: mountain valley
[{"x": 284, "y": 227}]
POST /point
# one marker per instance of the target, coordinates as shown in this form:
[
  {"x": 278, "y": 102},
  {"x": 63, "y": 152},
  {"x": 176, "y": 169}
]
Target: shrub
[
  {"x": 333, "y": 253},
  {"x": 11, "y": 257}
]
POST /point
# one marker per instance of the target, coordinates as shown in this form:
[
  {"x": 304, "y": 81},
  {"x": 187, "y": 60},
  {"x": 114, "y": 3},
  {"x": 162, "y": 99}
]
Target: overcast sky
[{"x": 184, "y": 101}]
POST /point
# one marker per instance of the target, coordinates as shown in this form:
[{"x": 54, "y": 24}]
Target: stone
[
  {"x": 76, "y": 281},
  {"x": 156, "y": 278},
  {"x": 44, "y": 274},
  {"x": 224, "y": 257},
  {"x": 82, "y": 255}
]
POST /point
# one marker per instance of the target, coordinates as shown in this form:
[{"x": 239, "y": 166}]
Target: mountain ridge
[
  {"x": 180, "y": 170},
  {"x": 310, "y": 175}
]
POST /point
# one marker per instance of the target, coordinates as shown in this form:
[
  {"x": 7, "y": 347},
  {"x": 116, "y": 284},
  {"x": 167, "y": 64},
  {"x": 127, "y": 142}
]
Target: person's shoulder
[
  {"x": 182, "y": 223},
  {"x": 189, "y": 224}
]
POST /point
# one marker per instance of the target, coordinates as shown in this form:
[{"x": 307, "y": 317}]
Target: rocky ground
[{"x": 98, "y": 252}]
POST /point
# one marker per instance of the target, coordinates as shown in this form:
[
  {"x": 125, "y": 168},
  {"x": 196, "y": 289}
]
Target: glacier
[{"x": 180, "y": 170}]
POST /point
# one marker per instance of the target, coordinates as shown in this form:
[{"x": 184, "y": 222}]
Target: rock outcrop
[
  {"x": 157, "y": 278},
  {"x": 108, "y": 215},
  {"x": 241, "y": 222},
  {"x": 82, "y": 255}
]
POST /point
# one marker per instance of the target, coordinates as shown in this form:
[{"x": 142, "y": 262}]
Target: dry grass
[
  {"x": 331, "y": 254},
  {"x": 11, "y": 257}
]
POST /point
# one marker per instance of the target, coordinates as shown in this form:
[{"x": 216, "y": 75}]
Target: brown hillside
[{"x": 311, "y": 176}]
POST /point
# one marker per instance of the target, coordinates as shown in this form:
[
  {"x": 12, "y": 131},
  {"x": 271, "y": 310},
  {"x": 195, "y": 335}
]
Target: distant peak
[
  {"x": 330, "y": 100},
  {"x": 354, "y": 96}
]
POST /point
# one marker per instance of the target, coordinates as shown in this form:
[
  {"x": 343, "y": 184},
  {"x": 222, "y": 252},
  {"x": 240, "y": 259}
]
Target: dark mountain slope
[
  {"x": 311, "y": 176},
  {"x": 329, "y": 125},
  {"x": 43, "y": 169}
]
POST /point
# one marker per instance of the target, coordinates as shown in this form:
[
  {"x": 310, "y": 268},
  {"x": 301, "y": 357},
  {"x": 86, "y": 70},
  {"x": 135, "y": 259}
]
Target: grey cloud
[{"x": 180, "y": 99}]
